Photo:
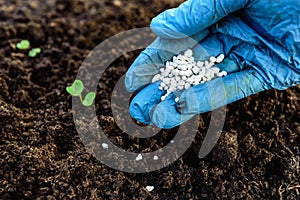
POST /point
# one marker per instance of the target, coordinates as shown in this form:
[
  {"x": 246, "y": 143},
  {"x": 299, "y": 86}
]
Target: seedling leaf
[
  {"x": 23, "y": 45},
  {"x": 33, "y": 52},
  {"x": 89, "y": 98},
  {"x": 76, "y": 88}
]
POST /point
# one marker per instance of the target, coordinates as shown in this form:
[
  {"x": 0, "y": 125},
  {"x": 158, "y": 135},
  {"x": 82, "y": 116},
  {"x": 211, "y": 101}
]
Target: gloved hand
[{"x": 261, "y": 42}]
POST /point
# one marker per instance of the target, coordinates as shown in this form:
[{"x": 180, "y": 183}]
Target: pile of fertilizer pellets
[{"x": 184, "y": 72}]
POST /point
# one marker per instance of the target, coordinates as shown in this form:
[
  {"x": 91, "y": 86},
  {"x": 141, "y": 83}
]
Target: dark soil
[{"x": 42, "y": 156}]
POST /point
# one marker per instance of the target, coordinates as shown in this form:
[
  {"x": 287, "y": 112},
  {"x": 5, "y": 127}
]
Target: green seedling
[
  {"x": 33, "y": 52},
  {"x": 77, "y": 88},
  {"x": 23, "y": 45}
]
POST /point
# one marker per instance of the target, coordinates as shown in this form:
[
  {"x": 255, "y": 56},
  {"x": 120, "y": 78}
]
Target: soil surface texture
[{"x": 42, "y": 156}]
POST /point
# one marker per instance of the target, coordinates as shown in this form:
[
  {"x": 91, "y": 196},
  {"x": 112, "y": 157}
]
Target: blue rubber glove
[{"x": 261, "y": 42}]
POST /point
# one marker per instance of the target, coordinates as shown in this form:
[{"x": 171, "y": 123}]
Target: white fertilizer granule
[
  {"x": 139, "y": 157},
  {"x": 104, "y": 146},
  {"x": 149, "y": 188},
  {"x": 184, "y": 72}
]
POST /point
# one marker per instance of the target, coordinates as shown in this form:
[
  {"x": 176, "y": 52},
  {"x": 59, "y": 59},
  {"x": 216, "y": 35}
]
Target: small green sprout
[
  {"x": 77, "y": 88},
  {"x": 33, "y": 52},
  {"x": 23, "y": 45}
]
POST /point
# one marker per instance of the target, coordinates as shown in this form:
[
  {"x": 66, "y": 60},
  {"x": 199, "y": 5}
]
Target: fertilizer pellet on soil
[
  {"x": 149, "y": 188},
  {"x": 139, "y": 157},
  {"x": 104, "y": 146}
]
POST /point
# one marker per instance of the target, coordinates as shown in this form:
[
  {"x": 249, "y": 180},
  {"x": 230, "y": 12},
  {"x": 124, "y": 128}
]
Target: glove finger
[
  {"x": 221, "y": 91},
  {"x": 192, "y": 17},
  {"x": 165, "y": 115},
  {"x": 153, "y": 58},
  {"x": 143, "y": 102}
]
